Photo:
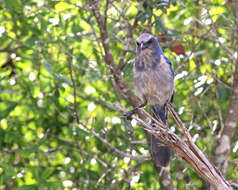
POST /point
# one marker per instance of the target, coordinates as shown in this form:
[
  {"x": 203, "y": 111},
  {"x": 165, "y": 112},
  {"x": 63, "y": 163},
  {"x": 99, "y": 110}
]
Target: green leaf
[
  {"x": 76, "y": 28},
  {"x": 31, "y": 41},
  {"x": 48, "y": 66},
  {"x": 159, "y": 24},
  {"x": 199, "y": 53},
  {"x": 27, "y": 187},
  {"x": 81, "y": 131},
  {"x": 62, "y": 78},
  {"x": 12, "y": 4},
  {"x": 6, "y": 108},
  {"x": 42, "y": 140},
  {"x": 26, "y": 152},
  {"x": 46, "y": 173}
]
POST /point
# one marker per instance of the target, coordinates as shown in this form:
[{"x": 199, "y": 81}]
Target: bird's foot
[
  {"x": 128, "y": 114},
  {"x": 170, "y": 104}
]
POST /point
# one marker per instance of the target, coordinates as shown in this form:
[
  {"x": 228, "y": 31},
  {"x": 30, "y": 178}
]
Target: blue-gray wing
[
  {"x": 163, "y": 77},
  {"x": 170, "y": 65}
]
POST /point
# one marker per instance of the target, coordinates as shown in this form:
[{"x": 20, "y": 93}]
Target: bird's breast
[
  {"x": 145, "y": 61},
  {"x": 153, "y": 80}
]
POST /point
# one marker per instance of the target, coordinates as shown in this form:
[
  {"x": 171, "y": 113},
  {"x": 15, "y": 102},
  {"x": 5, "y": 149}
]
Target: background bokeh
[{"x": 60, "y": 127}]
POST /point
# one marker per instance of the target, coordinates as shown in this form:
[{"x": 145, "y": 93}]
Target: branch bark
[
  {"x": 109, "y": 60},
  {"x": 189, "y": 152}
]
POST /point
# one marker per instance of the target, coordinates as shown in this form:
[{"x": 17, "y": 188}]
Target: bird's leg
[
  {"x": 166, "y": 116},
  {"x": 167, "y": 120},
  {"x": 131, "y": 112}
]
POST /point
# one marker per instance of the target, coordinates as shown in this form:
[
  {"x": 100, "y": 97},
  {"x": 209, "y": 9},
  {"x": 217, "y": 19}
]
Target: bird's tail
[{"x": 160, "y": 152}]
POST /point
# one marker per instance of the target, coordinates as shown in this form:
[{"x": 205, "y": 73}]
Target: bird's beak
[{"x": 142, "y": 46}]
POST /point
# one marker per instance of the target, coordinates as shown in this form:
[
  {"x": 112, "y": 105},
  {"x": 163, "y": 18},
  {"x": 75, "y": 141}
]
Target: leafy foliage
[{"x": 43, "y": 147}]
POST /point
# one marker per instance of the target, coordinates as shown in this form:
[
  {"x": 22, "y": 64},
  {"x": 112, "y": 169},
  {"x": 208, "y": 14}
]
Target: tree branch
[
  {"x": 120, "y": 83},
  {"x": 230, "y": 124},
  {"x": 109, "y": 60},
  {"x": 189, "y": 152}
]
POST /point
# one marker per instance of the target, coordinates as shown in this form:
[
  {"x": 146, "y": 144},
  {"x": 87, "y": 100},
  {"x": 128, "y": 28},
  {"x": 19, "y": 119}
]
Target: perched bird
[{"x": 154, "y": 84}]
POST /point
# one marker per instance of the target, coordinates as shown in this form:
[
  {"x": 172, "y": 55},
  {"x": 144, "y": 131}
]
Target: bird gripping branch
[{"x": 154, "y": 84}]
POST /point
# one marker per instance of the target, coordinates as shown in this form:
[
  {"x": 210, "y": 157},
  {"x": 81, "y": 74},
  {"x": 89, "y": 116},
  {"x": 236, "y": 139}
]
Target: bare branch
[
  {"x": 231, "y": 119},
  {"x": 189, "y": 152},
  {"x": 116, "y": 150},
  {"x": 109, "y": 60}
]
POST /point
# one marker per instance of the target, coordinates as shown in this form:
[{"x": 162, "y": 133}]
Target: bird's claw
[{"x": 128, "y": 114}]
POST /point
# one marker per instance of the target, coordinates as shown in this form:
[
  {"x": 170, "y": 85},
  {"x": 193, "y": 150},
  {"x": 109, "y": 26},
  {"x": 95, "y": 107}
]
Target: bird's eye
[
  {"x": 137, "y": 43},
  {"x": 150, "y": 41}
]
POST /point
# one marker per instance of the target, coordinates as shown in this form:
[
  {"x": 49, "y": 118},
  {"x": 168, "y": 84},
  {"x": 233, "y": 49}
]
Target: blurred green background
[{"x": 41, "y": 42}]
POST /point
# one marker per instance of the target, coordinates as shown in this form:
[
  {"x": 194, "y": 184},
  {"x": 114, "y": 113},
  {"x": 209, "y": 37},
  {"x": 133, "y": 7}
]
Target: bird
[{"x": 154, "y": 85}]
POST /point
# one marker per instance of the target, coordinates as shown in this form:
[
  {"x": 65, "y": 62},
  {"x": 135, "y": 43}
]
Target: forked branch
[{"x": 188, "y": 151}]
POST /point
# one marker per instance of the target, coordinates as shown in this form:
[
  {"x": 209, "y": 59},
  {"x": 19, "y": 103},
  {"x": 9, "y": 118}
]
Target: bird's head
[{"x": 146, "y": 42}]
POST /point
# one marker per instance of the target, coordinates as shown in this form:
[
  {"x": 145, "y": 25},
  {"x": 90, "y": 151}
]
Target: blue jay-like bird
[{"x": 154, "y": 84}]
